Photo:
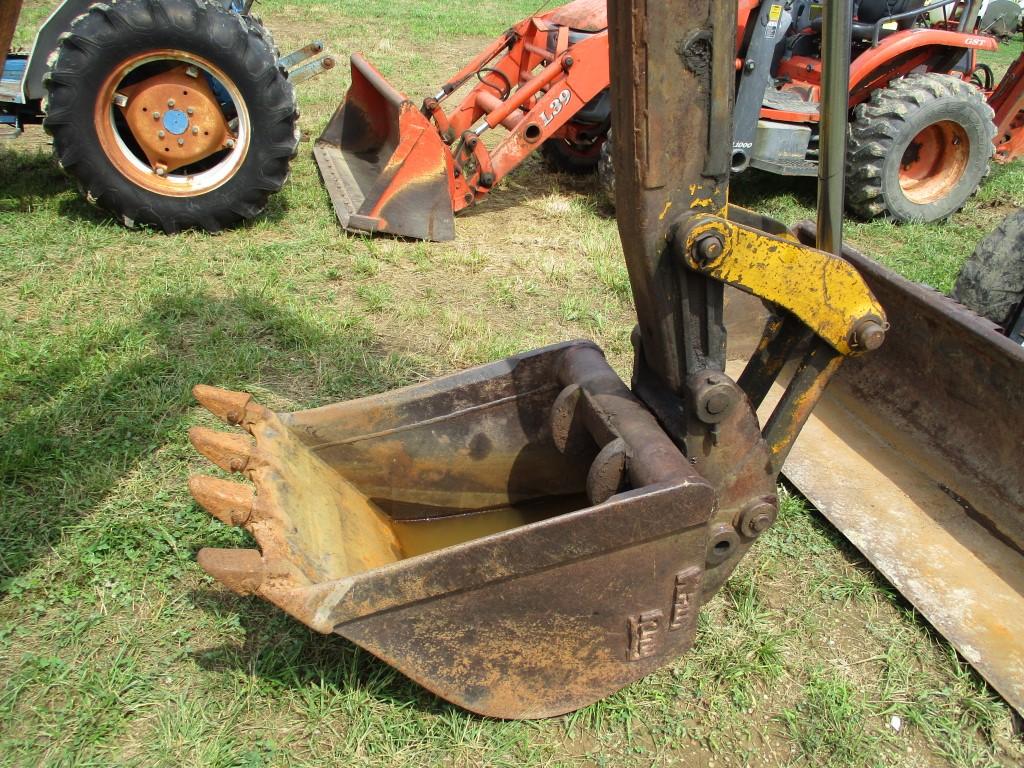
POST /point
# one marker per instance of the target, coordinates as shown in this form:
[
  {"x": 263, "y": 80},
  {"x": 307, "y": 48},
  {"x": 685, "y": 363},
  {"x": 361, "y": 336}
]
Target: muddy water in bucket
[{"x": 419, "y": 536}]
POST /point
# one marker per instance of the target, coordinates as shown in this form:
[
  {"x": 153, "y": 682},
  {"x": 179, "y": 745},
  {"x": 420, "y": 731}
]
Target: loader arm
[
  {"x": 1008, "y": 102},
  {"x": 527, "y": 537}
]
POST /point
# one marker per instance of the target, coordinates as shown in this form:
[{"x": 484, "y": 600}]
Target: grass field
[{"x": 116, "y": 649}]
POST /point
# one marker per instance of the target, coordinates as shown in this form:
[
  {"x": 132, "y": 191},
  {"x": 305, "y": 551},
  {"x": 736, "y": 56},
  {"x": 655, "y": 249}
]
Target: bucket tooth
[
  {"x": 240, "y": 570},
  {"x": 231, "y": 503},
  {"x": 229, "y": 452},
  {"x": 234, "y": 408}
]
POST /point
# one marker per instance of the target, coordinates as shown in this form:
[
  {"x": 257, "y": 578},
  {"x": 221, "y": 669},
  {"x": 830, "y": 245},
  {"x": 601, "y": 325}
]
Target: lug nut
[
  {"x": 230, "y": 143},
  {"x": 156, "y": 115},
  {"x": 190, "y": 110},
  {"x": 160, "y": 134},
  {"x": 181, "y": 142},
  {"x": 161, "y": 170},
  {"x": 170, "y": 103},
  {"x": 195, "y": 130}
]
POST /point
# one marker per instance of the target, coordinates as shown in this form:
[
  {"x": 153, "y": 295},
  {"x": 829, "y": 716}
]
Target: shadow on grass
[
  {"x": 282, "y": 653},
  {"x": 533, "y": 181},
  {"x": 78, "y": 413},
  {"x": 31, "y": 179},
  {"x": 752, "y": 187}
]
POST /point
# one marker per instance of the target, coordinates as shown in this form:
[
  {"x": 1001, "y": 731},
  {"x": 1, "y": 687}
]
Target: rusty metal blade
[
  {"x": 915, "y": 454},
  {"x": 384, "y": 164}
]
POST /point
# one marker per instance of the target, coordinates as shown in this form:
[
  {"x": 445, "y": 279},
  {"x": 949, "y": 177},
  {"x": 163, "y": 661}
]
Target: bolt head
[
  {"x": 161, "y": 171},
  {"x": 190, "y": 111},
  {"x": 170, "y": 103},
  {"x": 757, "y": 518},
  {"x": 717, "y": 403},
  {"x": 156, "y": 115},
  {"x": 160, "y": 134},
  {"x": 230, "y": 143},
  {"x": 181, "y": 142},
  {"x": 195, "y": 131},
  {"x": 709, "y": 248},
  {"x": 868, "y": 336}
]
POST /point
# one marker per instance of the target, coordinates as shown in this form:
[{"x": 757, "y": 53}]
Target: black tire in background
[
  {"x": 606, "y": 170},
  {"x": 100, "y": 41},
  {"x": 561, "y": 155},
  {"x": 887, "y": 143},
  {"x": 992, "y": 280}
]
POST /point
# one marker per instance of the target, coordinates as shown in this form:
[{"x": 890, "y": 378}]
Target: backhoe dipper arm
[{"x": 672, "y": 85}]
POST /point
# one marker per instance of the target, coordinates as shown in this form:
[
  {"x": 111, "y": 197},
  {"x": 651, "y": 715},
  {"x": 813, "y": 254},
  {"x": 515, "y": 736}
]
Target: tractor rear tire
[
  {"x": 112, "y": 47},
  {"x": 606, "y": 170},
  {"x": 564, "y": 157},
  {"x": 918, "y": 149},
  {"x": 992, "y": 280}
]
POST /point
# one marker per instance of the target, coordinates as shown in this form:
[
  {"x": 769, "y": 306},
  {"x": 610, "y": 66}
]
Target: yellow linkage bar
[{"x": 824, "y": 291}]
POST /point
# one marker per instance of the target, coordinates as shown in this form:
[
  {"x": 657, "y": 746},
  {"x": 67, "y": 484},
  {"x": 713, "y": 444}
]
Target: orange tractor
[{"x": 925, "y": 115}]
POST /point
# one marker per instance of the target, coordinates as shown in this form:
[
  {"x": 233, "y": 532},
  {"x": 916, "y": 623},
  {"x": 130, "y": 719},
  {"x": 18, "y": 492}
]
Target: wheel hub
[
  {"x": 175, "y": 118},
  {"x": 176, "y": 121},
  {"x": 934, "y": 162}
]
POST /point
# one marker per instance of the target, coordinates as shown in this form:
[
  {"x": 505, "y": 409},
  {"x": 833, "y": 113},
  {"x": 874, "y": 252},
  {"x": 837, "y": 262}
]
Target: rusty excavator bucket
[
  {"x": 383, "y": 162},
  {"x": 529, "y": 536}
]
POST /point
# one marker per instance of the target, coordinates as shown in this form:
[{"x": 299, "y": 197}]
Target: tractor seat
[
  {"x": 867, "y": 13},
  {"x": 582, "y": 16}
]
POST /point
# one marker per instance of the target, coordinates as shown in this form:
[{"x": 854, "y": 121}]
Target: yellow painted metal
[{"x": 824, "y": 291}]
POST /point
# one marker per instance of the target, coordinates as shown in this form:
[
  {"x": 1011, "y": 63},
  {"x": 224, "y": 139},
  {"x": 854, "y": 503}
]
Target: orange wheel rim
[
  {"x": 934, "y": 162},
  {"x": 161, "y": 123}
]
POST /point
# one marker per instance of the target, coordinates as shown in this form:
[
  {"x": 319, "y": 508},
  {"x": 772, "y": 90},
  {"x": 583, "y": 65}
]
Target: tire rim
[
  {"x": 934, "y": 162},
  {"x": 173, "y": 123}
]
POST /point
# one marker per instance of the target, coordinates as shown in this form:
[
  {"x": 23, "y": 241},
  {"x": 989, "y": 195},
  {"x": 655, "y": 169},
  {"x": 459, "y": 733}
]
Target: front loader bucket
[
  {"x": 471, "y": 530},
  {"x": 916, "y": 453},
  {"x": 384, "y": 164}
]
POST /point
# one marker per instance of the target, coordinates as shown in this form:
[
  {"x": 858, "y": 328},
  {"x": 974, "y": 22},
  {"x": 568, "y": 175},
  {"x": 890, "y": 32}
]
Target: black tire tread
[
  {"x": 606, "y": 170},
  {"x": 879, "y": 124},
  {"x": 991, "y": 282},
  {"x": 264, "y": 171},
  {"x": 561, "y": 159}
]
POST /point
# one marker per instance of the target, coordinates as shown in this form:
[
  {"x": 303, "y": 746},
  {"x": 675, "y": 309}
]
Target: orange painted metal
[
  {"x": 148, "y": 103},
  {"x": 384, "y": 164},
  {"x": 530, "y": 83},
  {"x": 391, "y": 166},
  {"x": 1008, "y": 102},
  {"x": 144, "y": 104},
  {"x": 934, "y": 162},
  {"x": 9, "y": 12},
  {"x": 902, "y": 52}
]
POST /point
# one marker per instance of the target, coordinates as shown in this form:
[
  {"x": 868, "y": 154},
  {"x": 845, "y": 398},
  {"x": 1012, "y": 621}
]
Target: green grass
[{"x": 116, "y": 649}]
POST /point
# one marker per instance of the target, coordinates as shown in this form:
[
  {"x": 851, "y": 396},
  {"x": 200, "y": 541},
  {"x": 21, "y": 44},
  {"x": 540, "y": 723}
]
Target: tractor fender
[
  {"x": 48, "y": 37},
  {"x": 46, "y": 42},
  {"x": 900, "y": 53}
]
